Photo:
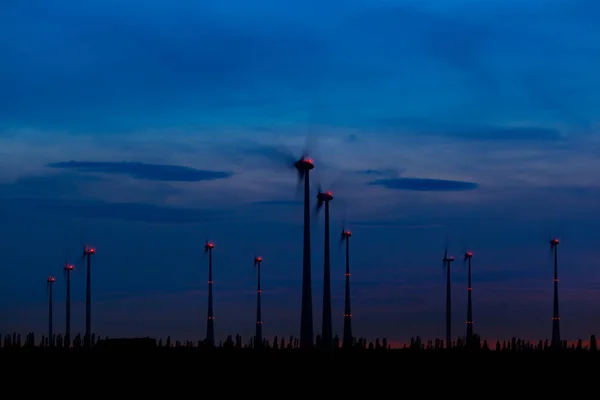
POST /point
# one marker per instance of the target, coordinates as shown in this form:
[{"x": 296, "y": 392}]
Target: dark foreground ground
[
  {"x": 290, "y": 373},
  {"x": 392, "y": 353}
]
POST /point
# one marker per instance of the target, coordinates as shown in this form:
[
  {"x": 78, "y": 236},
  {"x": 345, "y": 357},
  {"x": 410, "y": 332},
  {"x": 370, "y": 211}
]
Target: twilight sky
[{"x": 476, "y": 121}]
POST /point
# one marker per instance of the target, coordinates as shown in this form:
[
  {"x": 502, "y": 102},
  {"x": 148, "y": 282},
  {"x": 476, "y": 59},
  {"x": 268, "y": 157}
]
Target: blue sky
[{"x": 472, "y": 120}]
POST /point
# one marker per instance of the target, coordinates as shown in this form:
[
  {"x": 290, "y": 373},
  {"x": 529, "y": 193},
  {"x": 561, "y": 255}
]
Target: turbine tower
[
  {"x": 304, "y": 165},
  {"x": 468, "y": 256},
  {"x": 347, "y": 340},
  {"x": 88, "y": 252},
  {"x": 258, "y": 338},
  {"x": 49, "y": 284},
  {"x": 556, "y": 343},
  {"x": 323, "y": 198},
  {"x": 210, "y": 326},
  {"x": 67, "y": 271},
  {"x": 447, "y": 260}
]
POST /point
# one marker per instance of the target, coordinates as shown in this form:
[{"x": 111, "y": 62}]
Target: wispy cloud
[
  {"x": 138, "y": 170},
  {"x": 425, "y": 185}
]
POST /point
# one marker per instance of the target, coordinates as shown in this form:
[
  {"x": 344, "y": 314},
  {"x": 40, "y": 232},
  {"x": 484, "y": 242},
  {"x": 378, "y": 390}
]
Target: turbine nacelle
[
  {"x": 554, "y": 242},
  {"x": 88, "y": 251},
  {"x": 257, "y": 260},
  {"x": 69, "y": 267},
  {"x": 346, "y": 234},
  {"x": 51, "y": 279},
  {"x": 208, "y": 246},
  {"x": 322, "y": 198},
  {"x": 468, "y": 255},
  {"x": 303, "y": 165}
]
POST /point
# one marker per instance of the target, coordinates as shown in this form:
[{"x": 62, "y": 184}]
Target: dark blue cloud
[
  {"x": 369, "y": 172},
  {"x": 425, "y": 185},
  {"x": 380, "y": 172},
  {"x": 153, "y": 172}
]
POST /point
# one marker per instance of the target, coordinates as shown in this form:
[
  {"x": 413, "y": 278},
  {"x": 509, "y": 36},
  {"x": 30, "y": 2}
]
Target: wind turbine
[
  {"x": 467, "y": 259},
  {"x": 49, "y": 283},
  {"x": 447, "y": 260},
  {"x": 210, "y": 327},
  {"x": 556, "y": 343},
  {"x": 88, "y": 252},
  {"x": 303, "y": 166},
  {"x": 323, "y": 198},
  {"x": 258, "y": 338},
  {"x": 348, "y": 339},
  {"x": 67, "y": 272}
]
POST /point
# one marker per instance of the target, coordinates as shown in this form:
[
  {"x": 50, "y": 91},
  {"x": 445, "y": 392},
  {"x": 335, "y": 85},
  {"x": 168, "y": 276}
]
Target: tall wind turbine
[
  {"x": 323, "y": 198},
  {"x": 468, "y": 256},
  {"x": 304, "y": 165},
  {"x": 67, "y": 271},
  {"x": 447, "y": 260},
  {"x": 210, "y": 326},
  {"x": 88, "y": 252},
  {"x": 347, "y": 340},
  {"x": 258, "y": 338},
  {"x": 556, "y": 343},
  {"x": 50, "y": 282}
]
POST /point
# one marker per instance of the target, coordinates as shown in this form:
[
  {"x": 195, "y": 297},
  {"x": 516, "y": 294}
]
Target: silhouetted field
[{"x": 14, "y": 344}]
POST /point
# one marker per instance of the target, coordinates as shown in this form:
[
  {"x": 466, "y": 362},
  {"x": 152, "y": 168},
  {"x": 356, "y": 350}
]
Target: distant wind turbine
[
  {"x": 88, "y": 252},
  {"x": 323, "y": 198},
  {"x": 49, "y": 283},
  {"x": 468, "y": 256},
  {"x": 210, "y": 326},
  {"x": 348, "y": 339},
  {"x": 556, "y": 343},
  {"x": 448, "y": 260},
  {"x": 258, "y": 338},
  {"x": 68, "y": 268}
]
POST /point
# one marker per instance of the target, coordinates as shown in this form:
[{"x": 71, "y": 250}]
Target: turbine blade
[
  {"x": 300, "y": 175},
  {"x": 316, "y": 212},
  {"x": 277, "y": 154}
]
